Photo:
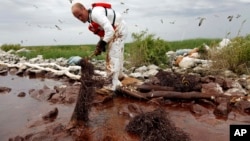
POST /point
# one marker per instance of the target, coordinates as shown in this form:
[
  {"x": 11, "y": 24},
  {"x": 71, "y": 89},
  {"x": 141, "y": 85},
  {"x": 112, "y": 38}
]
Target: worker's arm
[{"x": 98, "y": 16}]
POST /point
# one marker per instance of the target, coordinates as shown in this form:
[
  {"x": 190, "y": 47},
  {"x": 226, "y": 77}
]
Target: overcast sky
[{"x": 50, "y": 22}]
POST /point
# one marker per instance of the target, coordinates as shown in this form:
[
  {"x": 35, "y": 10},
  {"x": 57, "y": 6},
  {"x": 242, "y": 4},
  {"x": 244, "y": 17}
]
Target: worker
[{"x": 112, "y": 31}]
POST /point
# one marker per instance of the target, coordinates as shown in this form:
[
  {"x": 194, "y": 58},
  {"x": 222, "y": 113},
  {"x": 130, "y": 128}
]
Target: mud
[{"x": 22, "y": 117}]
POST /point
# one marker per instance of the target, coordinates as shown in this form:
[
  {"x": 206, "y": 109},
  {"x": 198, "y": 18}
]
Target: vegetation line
[{"x": 147, "y": 49}]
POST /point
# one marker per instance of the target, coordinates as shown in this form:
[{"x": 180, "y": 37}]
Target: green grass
[
  {"x": 192, "y": 43},
  {"x": 7, "y": 47},
  {"x": 146, "y": 49},
  {"x": 64, "y": 51},
  {"x": 67, "y": 51},
  {"x": 234, "y": 57}
]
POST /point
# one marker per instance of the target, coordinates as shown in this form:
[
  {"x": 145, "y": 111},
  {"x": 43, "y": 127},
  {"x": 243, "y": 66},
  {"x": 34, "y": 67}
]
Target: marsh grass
[
  {"x": 146, "y": 49},
  {"x": 64, "y": 51},
  {"x": 192, "y": 43},
  {"x": 7, "y": 47},
  {"x": 234, "y": 57}
]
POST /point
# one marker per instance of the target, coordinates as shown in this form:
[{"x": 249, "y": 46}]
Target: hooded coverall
[{"x": 114, "y": 37}]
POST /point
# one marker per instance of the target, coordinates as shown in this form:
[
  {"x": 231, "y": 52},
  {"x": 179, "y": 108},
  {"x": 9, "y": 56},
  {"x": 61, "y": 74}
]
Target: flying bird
[
  {"x": 201, "y": 20},
  {"x": 58, "y": 27},
  {"x": 244, "y": 21},
  {"x": 230, "y": 18},
  {"x": 216, "y": 16},
  {"x": 172, "y": 22},
  {"x": 162, "y": 21},
  {"x": 228, "y": 33},
  {"x": 28, "y": 23},
  {"x": 126, "y": 11},
  {"x": 60, "y": 21},
  {"x": 238, "y": 16},
  {"x": 122, "y": 2},
  {"x": 35, "y": 6}
]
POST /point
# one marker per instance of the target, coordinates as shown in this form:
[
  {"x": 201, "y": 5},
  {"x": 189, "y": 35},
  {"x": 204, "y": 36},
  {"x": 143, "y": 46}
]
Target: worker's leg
[
  {"x": 114, "y": 63},
  {"x": 114, "y": 60}
]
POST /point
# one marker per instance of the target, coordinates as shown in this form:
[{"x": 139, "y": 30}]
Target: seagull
[
  {"x": 238, "y": 16},
  {"x": 201, "y": 20},
  {"x": 126, "y": 11},
  {"x": 230, "y": 18},
  {"x": 58, "y": 27},
  {"x": 172, "y": 22},
  {"x": 228, "y": 33},
  {"x": 39, "y": 26},
  {"x": 35, "y": 6},
  {"x": 244, "y": 21},
  {"x": 28, "y": 23},
  {"x": 60, "y": 21},
  {"x": 216, "y": 16}
]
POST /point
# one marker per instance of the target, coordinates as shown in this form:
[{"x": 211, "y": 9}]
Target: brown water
[
  {"x": 16, "y": 112},
  {"x": 200, "y": 128},
  {"x": 19, "y": 114}
]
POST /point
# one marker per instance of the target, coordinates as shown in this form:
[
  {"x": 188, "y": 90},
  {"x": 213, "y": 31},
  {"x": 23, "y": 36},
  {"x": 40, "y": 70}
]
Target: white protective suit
[{"x": 115, "y": 40}]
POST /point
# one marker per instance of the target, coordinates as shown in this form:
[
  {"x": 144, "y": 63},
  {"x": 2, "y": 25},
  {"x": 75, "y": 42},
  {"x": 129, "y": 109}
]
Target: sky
[{"x": 50, "y": 22}]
